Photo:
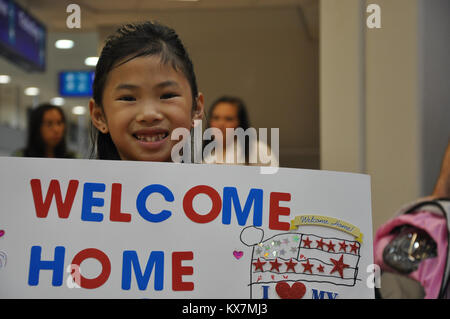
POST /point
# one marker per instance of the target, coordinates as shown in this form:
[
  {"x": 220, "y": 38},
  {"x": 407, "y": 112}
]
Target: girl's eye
[
  {"x": 168, "y": 96},
  {"x": 127, "y": 98}
]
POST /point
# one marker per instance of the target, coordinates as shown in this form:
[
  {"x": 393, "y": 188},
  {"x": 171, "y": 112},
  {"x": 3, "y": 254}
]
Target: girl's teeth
[{"x": 153, "y": 138}]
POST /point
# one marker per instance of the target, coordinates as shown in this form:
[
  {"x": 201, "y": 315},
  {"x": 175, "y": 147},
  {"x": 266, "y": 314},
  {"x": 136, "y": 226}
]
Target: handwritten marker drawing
[
  {"x": 307, "y": 258},
  {"x": 238, "y": 254}
]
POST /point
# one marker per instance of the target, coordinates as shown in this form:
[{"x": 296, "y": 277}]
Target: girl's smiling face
[{"x": 144, "y": 100}]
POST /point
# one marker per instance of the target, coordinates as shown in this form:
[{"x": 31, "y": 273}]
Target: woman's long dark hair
[
  {"x": 242, "y": 116},
  {"x": 131, "y": 41},
  {"x": 35, "y": 146}
]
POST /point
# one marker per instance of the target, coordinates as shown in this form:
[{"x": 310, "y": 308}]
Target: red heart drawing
[
  {"x": 2, "y": 232},
  {"x": 238, "y": 254},
  {"x": 296, "y": 291}
]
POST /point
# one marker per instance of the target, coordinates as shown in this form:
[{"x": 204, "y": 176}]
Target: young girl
[{"x": 144, "y": 88}]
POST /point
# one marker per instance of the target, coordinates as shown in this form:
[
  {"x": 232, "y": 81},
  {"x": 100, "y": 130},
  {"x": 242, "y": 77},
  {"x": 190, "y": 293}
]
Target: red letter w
[{"x": 54, "y": 190}]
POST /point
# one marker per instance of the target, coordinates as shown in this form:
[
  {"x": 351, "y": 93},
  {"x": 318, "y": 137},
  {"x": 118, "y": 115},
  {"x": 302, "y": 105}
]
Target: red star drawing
[
  {"x": 331, "y": 246},
  {"x": 307, "y": 267},
  {"x": 259, "y": 265},
  {"x": 343, "y": 246},
  {"x": 275, "y": 265},
  {"x": 320, "y": 268},
  {"x": 320, "y": 243},
  {"x": 354, "y": 248},
  {"x": 290, "y": 265},
  {"x": 307, "y": 242},
  {"x": 339, "y": 266}
]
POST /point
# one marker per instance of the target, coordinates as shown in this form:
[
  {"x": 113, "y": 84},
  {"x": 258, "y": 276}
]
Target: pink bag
[{"x": 431, "y": 216}]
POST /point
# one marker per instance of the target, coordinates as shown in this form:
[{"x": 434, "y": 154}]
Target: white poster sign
[{"x": 117, "y": 229}]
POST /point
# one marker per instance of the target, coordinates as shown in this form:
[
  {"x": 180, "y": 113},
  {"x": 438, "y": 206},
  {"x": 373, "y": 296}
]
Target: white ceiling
[
  {"x": 95, "y": 13},
  {"x": 100, "y": 14}
]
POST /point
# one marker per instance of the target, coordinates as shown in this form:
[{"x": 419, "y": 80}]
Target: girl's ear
[
  {"x": 98, "y": 117},
  {"x": 198, "y": 112}
]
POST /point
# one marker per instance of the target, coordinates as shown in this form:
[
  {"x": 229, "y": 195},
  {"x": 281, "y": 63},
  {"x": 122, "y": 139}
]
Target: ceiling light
[
  {"x": 64, "y": 44},
  {"x": 79, "y": 110},
  {"x": 5, "y": 79},
  {"x": 91, "y": 61},
  {"x": 59, "y": 101},
  {"x": 31, "y": 91}
]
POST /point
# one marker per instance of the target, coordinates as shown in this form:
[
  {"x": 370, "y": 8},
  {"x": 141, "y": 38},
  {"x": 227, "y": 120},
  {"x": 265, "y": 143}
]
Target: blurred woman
[
  {"x": 231, "y": 112},
  {"x": 46, "y": 134}
]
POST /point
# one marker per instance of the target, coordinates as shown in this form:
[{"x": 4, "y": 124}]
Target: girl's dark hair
[
  {"x": 35, "y": 144},
  {"x": 242, "y": 116},
  {"x": 129, "y": 42}
]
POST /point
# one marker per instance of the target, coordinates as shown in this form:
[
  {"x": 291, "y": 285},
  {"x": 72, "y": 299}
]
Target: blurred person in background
[
  {"x": 412, "y": 248},
  {"x": 231, "y": 112},
  {"x": 46, "y": 134}
]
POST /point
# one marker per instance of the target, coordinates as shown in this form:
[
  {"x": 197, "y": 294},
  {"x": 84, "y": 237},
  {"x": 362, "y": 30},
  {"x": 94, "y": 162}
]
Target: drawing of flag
[{"x": 299, "y": 257}]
